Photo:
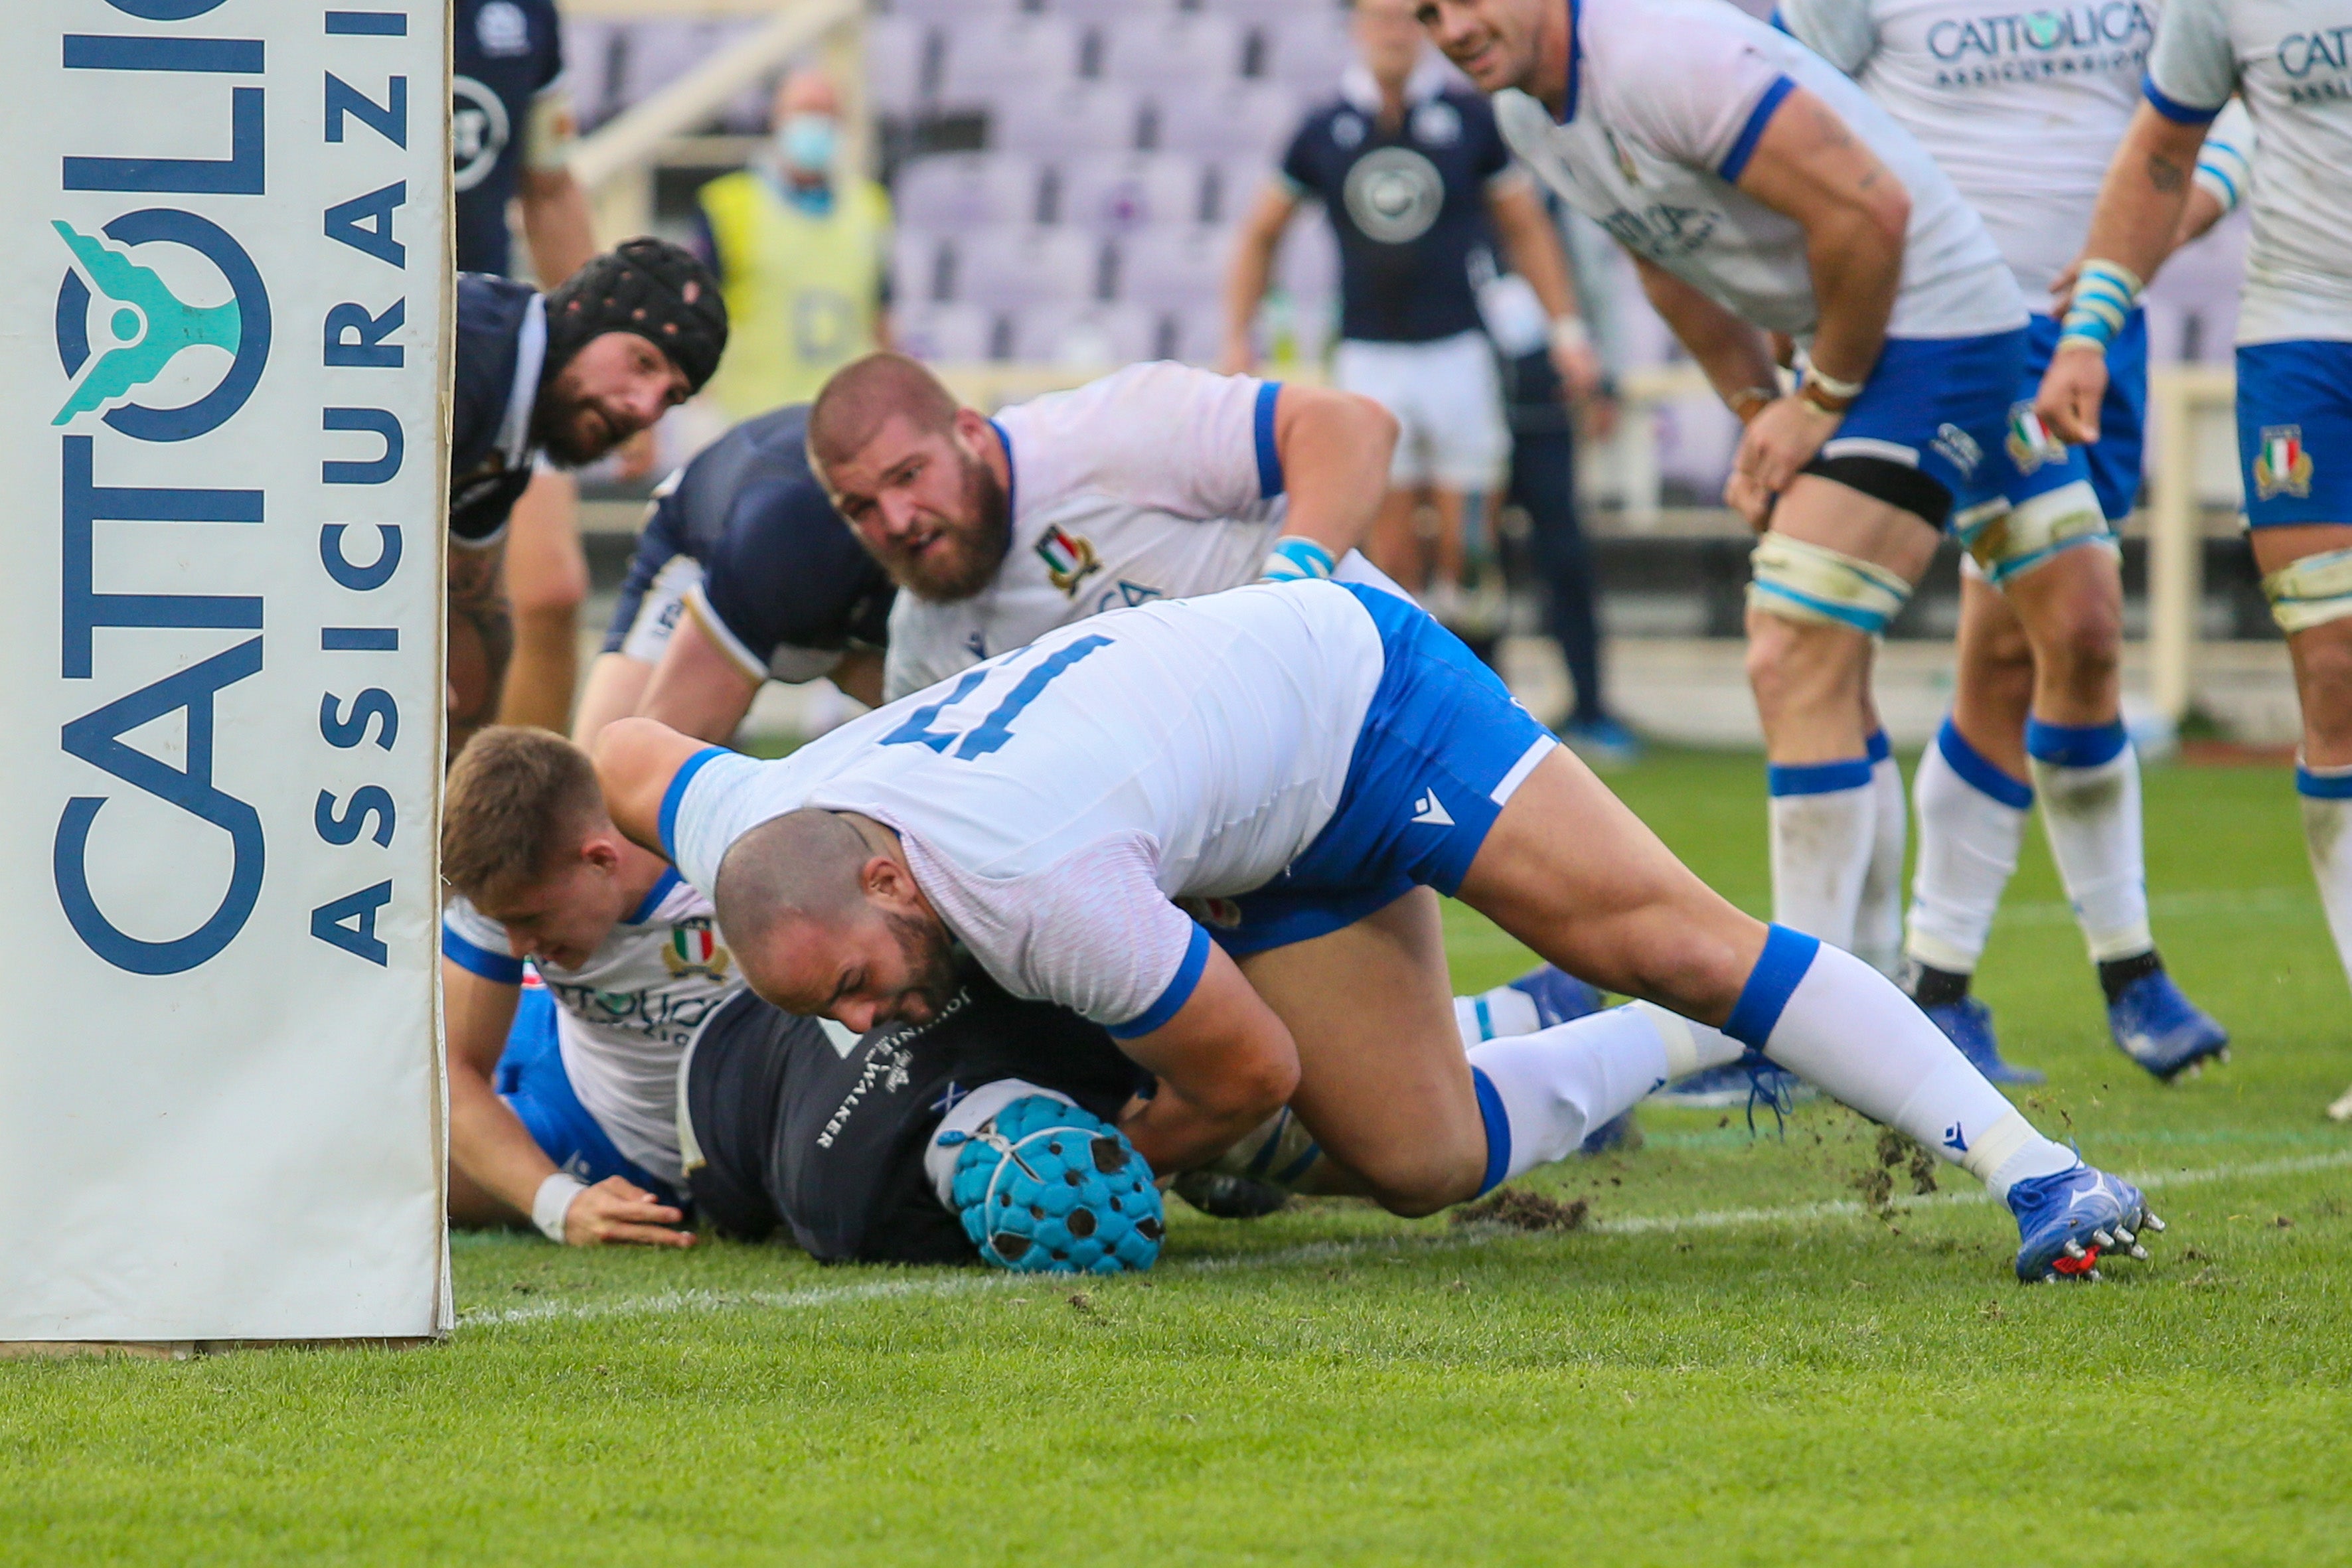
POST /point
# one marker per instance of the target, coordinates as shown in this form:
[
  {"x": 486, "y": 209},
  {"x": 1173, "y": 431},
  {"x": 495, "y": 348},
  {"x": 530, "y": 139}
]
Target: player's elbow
[{"x": 1884, "y": 213}]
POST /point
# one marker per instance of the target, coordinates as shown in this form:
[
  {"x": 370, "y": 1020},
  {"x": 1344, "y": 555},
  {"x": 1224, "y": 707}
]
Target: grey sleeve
[
  {"x": 2193, "y": 68},
  {"x": 1841, "y": 31}
]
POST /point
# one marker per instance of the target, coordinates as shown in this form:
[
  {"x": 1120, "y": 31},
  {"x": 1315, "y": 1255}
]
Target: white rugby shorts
[{"x": 1448, "y": 399}]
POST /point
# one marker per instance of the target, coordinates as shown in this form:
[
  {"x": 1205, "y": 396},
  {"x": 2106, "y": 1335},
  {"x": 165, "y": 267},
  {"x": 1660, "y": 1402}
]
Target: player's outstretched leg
[
  {"x": 2071, "y": 603},
  {"x": 1569, "y": 871}
]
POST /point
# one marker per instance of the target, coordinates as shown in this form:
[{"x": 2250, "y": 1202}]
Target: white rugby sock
[
  {"x": 1495, "y": 1015},
  {"x": 2088, "y": 777},
  {"x": 1971, "y": 825},
  {"x": 1825, "y": 828},
  {"x": 2327, "y": 794},
  {"x": 1878, "y": 915},
  {"x": 1844, "y": 1028},
  {"x": 1543, "y": 1094}
]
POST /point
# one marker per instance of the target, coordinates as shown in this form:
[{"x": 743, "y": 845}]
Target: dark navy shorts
[{"x": 1443, "y": 746}]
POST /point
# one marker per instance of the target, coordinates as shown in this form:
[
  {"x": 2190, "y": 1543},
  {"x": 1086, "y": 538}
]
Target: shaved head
[
  {"x": 863, "y": 396},
  {"x": 826, "y": 923},
  {"x": 803, "y": 865}
]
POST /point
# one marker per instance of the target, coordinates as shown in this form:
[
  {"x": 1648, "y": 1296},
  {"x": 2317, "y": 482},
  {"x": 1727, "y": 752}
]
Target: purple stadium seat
[
  {"x": 1118, "y": 192},
  {"x": 1187, "y": 51},
  {"x": 944, "y": 334},
  {"x": 991, "y": 59},
  {"x": 896, "y": 65},
  {"x": 1306, "y": 52},
  {"x": 1085, "y": 334},
  {"x": 948, "y": 192},
  {"x": 1248, "y": 118},
  {"x": 1004, "y": 268},
  {"x": 1091, "y": 116},
  {"x": 1173, "y": 269}
]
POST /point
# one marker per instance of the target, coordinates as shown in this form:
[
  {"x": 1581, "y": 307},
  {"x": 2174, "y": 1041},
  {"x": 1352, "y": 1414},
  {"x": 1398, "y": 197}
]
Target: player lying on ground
[
  {"x": 1299, "y": 763},
  {"x": 2294, "y": 342},
  {"x": 2037, "y": 702},
  {"x": 564, "y": 1096}
]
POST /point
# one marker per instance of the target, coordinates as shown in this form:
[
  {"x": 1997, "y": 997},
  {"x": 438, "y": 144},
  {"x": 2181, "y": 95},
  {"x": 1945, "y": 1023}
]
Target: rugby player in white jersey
[
  {"x": 2022, "y": 113},
  {"x": 1761, "y": 193},
  {"x": 1157, "y": 481},
  {"x": 1212, "y": 827},
  {"x": 2290, "y": 61},
  {"x": 565, "y": 1094}
]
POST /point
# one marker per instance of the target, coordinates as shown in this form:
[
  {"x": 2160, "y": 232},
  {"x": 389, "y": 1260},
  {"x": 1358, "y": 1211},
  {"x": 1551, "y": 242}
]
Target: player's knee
[
  {"x": 549, "y": 589},
  {"x": 2323, "y": 668},
  {"x": 2084, "y": 644},
  {"x": 1428, "y": 1180}
]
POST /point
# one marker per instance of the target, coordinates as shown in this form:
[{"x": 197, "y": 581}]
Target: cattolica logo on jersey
[
  {"x": 1069, "y": 559},
  {"x": 2282, "y": 466},
  {"x": 694, "y": 949}
]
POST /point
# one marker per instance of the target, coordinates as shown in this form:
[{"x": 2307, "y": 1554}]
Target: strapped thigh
[
  {"x": 2311, "y": 591},
  {"x": 1814, "y": 585},
  {"x": 2006, "y": 541}
]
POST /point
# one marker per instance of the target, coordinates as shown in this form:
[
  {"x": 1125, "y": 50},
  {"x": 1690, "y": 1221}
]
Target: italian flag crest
[
  {"x": 2282, "y": 466},
  {"x": 694, "y": 949},
  {"x": 1068, "y": 559}
]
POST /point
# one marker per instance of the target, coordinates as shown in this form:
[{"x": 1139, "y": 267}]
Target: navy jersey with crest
[
  {"x": 799, "y": 1123},
  {"x": 1409, "y": 205},
  {"x": 503, "y": 54},
  {"x": 746, "y": 537},
  {"x": 501, "y": 339}
]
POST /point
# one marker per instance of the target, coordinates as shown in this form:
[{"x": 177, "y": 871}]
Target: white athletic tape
[
  {"x": 1814, "y": 585},
  {"x": 680, "y": 1304},
  {"x": 1675, "y": 1034},
  {"x": 2020, "y": 538},
  {"x": 2311, "y": 591}
]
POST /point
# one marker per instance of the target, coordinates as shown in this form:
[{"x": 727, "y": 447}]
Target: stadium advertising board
[{"x": 225, "y": 268}]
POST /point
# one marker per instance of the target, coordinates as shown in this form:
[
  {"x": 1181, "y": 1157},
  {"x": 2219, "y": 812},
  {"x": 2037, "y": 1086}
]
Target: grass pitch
[{"x": 1740, "y": 1357}]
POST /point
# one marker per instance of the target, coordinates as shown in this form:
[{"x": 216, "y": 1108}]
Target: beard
[
  {"x": 557, "y": 427},
  {"x": 980, "y": 539},
  {"x": 932, "y": 972}
]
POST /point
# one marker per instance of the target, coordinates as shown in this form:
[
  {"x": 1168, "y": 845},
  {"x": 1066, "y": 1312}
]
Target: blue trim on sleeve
[
  {"x": 2172, "y": 108},
  {"x": 1818, "y": 778},
  {"x": 1735, "y": 163},
  {"x": 675, "y": 793},
  {"x": 2323, "y": 786},
  {"x": 1012, "y": 473},
  {"x": 1787, "y": 955},
  {"x": 1575, "y": 60},
  {"x": 1879, "y": 748},
  {"x": 1979, "y": 774},
  {"x": 1498, "y": 1131},
  {"x": 661, "y": 889},
  {"x": 499, "y": 968},
  {"x": 1179, "y": 990},
  {"x": 1781, "y": 23},
  {"x": 2074, "y": 745},
  {"x": 1269, "y": 458}
]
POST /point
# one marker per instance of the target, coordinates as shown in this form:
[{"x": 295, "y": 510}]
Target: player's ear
[
  {"x": 885, "y": 882},
  {"x": 602, "y": 850}
]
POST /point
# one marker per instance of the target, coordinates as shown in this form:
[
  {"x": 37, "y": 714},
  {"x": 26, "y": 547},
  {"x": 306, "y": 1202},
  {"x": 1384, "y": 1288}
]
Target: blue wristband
[{"x": 1295, "y": 560}]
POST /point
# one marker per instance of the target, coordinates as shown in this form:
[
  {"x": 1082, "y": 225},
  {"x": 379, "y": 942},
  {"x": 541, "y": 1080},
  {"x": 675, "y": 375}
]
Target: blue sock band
[
  {"x": 2075, "y": 745},
  {"x": 1498, "y": 1131},
  {"x": 1877, "y": 748},
  {"x": 1979, "y": 774},
  {"x": 2336, "y": 783},
  {"x": 1818, "y": 778},
  {"x": 1786, "y": 957}
]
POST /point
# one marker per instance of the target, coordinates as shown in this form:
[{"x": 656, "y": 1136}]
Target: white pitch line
[{"x": 678, "y": 1303}]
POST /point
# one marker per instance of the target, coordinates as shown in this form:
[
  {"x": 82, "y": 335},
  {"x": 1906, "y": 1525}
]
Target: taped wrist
[
  {"x": 553, "y": 1202},
  {"x": 2017, "y": 539},
  {"x": 2223, "y": 169},
  {"x": 1296, "y": 559},
  {"x": 1280, "y": 1151},
  {"x": 2311, "y": 591},
  {"x": 2104, "y": 296},
  {"x": 1813, "y": 585}
]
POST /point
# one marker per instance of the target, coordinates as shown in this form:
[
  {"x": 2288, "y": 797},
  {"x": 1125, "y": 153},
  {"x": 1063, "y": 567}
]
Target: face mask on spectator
[{"x": 804, "y": 142}]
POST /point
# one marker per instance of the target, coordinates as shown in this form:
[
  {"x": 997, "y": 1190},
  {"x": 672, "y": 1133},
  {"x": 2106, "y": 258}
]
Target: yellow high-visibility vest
[{"x": 803, "y": 291}]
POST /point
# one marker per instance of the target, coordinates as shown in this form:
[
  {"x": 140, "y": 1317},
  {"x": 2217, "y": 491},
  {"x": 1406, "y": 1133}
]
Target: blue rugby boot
[
  {"x": 2065, "y": 1221},
  {"x": 1968, "y": 1023},
  {"x": 1559, "y": 995},
  {"x": 2163, "y": 1030}
]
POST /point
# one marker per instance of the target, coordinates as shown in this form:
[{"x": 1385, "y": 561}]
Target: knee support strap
[
  {"x": 2311, "y": 591},
  {"x": 2006, "y": 541},
  {"x": 1811, "y": 584}
]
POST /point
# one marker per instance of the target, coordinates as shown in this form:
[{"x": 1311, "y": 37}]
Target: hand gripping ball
[{"x": 1048, "y": 1188}]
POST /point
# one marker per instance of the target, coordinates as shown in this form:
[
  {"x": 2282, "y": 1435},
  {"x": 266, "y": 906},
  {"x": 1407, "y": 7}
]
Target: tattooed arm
[{"x": 482, "y": 638}]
